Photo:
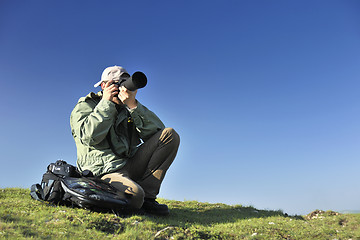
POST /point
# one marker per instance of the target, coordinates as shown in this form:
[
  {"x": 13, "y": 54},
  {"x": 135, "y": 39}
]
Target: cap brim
[{"x": 98, "y": 83}]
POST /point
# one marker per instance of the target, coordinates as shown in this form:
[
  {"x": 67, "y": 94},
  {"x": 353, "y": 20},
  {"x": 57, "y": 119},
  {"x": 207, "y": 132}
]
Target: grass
[{"x": 22, "y": 217}]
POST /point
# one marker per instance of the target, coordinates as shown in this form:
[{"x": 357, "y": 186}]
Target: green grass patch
[{"x": 21, "y": 217}]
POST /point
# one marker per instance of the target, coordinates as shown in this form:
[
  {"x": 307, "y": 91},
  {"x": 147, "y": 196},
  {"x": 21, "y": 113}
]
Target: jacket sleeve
[
  {"x": 146, "y": 122},
  {"x": 91, "y": 124}
]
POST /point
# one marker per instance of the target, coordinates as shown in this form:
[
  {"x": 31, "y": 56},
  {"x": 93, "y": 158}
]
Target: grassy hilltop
[{"x": 22, "y": 217}]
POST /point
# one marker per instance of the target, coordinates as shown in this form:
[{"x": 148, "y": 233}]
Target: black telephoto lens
[{"x": 136, "y": 81}]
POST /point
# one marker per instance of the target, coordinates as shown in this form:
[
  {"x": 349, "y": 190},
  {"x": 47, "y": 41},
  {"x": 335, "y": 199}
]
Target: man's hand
[
  {"x": 127, "y": 97},
  {"x": 110, "y": 92}
]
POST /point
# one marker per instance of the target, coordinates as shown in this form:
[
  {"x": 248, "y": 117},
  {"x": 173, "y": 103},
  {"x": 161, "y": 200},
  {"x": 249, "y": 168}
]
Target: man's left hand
[{"x": 127, "y": 97}]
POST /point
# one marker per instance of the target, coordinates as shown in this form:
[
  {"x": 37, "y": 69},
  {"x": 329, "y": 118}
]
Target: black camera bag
[{"x": 64, "y": 184}]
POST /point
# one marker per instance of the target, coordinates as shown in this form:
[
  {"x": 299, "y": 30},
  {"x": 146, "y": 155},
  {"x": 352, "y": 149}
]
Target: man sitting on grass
[{"x": 121, "y": 141}]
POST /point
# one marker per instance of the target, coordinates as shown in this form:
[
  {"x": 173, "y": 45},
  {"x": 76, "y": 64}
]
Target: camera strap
[
  {"x": 130, "y": 128},
  {"x": 108, "y": 138}
]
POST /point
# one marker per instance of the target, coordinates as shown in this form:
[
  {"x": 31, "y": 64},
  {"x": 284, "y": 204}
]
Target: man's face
[{"x": 123, "y": 77}]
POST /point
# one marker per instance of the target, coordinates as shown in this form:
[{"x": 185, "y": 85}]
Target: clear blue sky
[{"x": 265, "y": 94}]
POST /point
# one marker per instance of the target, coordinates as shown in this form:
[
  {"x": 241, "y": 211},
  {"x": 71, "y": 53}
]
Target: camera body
[
  {"x": 136, "y": 81},
  {"x": 62, "y": 168}
]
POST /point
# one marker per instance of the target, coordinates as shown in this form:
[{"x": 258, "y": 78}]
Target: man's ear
[{"x": 102, "y": 85}]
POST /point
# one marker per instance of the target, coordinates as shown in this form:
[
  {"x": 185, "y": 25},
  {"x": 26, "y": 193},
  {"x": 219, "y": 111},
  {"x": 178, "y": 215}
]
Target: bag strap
[
  {"x": 36, "y": 192},
  {"x": 48, "y": 183}
]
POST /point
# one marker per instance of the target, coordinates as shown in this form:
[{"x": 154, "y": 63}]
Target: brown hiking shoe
[{"x": 151, "y": 206}]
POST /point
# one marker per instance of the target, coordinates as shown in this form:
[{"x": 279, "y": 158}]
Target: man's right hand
[{"x": 111, "y": 91}]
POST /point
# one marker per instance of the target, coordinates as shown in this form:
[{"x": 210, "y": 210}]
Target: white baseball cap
[{"x": 112, "y": 73}]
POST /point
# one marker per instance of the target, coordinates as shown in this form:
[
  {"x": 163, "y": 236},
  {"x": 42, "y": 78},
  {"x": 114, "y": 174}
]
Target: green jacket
[{"x": 93, "y": 118}]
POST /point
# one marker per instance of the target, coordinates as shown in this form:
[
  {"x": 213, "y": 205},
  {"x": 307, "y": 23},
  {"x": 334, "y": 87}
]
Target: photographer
[{"x": 121, "y": 141}]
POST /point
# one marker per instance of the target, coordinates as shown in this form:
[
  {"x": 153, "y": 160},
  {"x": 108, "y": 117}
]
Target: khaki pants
[{"x": 142, "y": 175}]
